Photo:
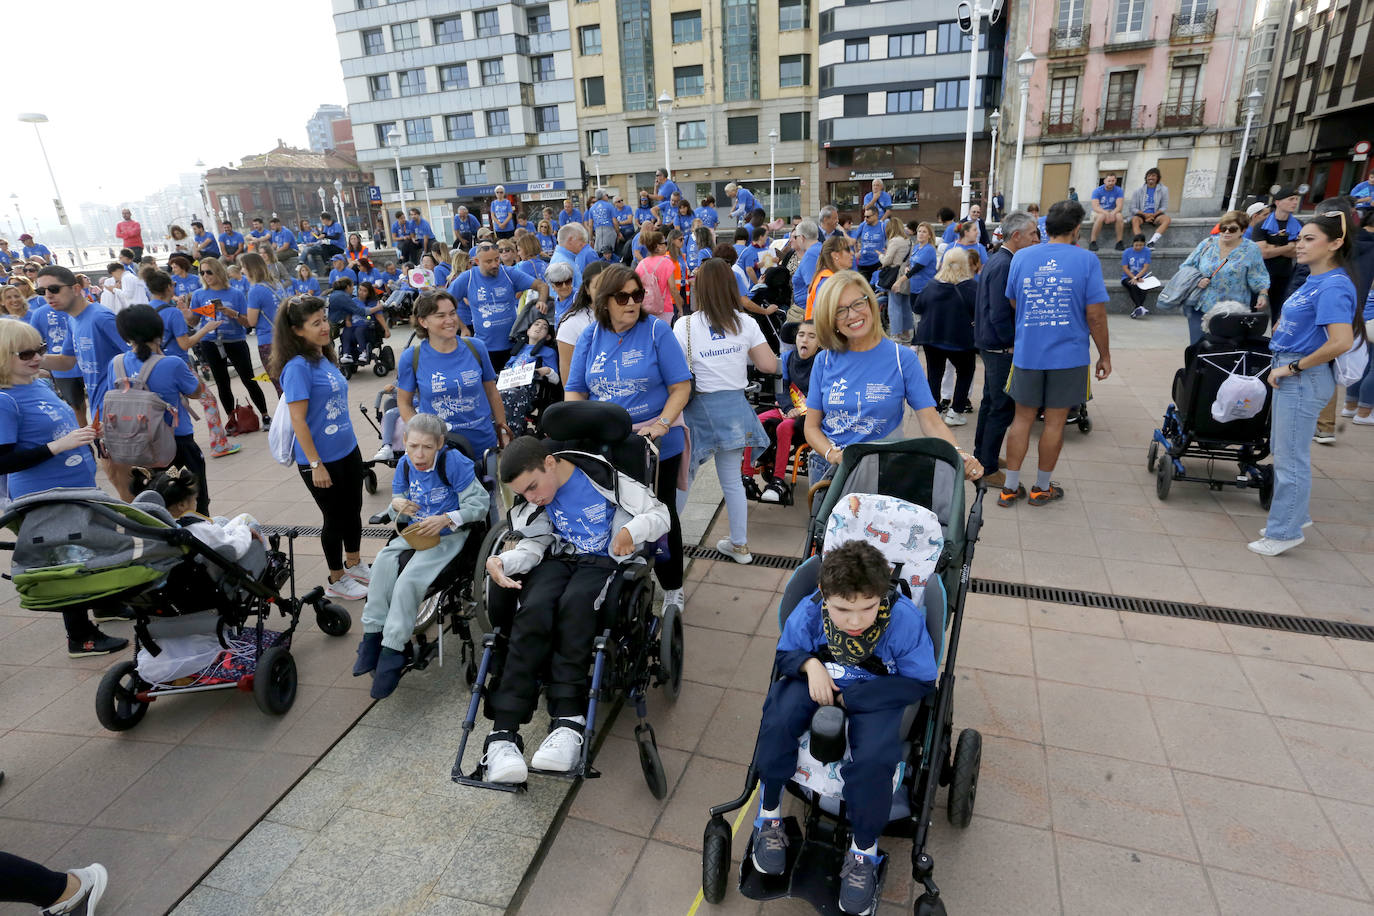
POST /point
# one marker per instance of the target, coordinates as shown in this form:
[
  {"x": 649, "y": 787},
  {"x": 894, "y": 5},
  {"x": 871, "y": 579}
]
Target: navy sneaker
[
  {"x": 369, "y": 650},
  {"x": 390, "y": 666},
  {"x": 859, "y": 883},
  {"x": 769, "y": 854}
]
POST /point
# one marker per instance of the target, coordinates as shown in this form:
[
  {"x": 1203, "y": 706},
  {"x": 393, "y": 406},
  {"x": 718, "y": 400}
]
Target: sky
[{"x": 134, "y": 100}]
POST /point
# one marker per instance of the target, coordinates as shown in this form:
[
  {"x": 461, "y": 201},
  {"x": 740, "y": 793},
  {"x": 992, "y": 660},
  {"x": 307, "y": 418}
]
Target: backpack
[
  {"x": 132, "y": 416},
  {"x": 281, "y": 438},
  {"x": 440, "y": 460},
  {"x": 1351, "y": 365},
  {"x": 656, "y": 299}
]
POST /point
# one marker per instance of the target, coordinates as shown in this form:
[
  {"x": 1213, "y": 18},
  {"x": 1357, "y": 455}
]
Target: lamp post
[
  {"x": 35, "y": 119},
  {"x": 393, "y": 140},
  {"x": 971, "y": 13},
  {"x": 665, "y": 105},
  {"x": 1252, "y": 106},
  {"x": 995, "y": 119},
  {"x": 338, "y": 203},
  {"x": 596, "y": 157},
  {"x": 1025, "y": 68},
  {"x": 424, "y": 182},
  {"x": 223, "y": 209},
  {"x": 772, "y": 163},
  {"x": 15, "y": 199},
  {"x": 323, "y": 203}
]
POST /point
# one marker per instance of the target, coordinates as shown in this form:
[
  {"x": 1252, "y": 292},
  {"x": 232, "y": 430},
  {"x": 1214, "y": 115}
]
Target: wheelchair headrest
[
  {"x": 788, "y": 334},
  {"x": 907, "y": 535},
  {"x": 597, "y": 421},
  {"x": 460, "y": 442}
]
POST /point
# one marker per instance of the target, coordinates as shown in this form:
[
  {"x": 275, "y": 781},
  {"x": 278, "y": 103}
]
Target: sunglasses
[
  {"x": 562, "y": 283},
  {"x": 1229, "y": 229},
  {"x": 26, "y": 355},
  {"x": 1336, "y": 214},
  {"x": 50, "y": 290},
  {"x": 623, "y": 298},
  {"x": 207, "y": 273}
]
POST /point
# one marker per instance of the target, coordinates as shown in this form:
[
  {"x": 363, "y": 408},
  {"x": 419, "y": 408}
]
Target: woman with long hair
[
  {"x": 277, "y": 271},
  {"x": 660, "y": 271},
  {"x": 899, "y": 323},
  {"x": 548, "y": 238},
  {"x": 13, "y": 304},
  {"x": 572, "y": 322},
  {"x": 720, "y": 342},
  {"x": 946, "y": 331},
  {"x": 263, "y": 297},
  {"x": 228, "y": 343},
  {"x": 305, "y": 283},
  {"x": 356, "y": 250},
  {"x": 837, "y": 254},
  {"x": 178, "y": 239},
  {"x": 529, "y": 250},
  {"x": 326, "y": 449}
]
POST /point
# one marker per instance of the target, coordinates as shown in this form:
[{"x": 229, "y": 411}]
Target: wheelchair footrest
[{"x": 813, "y": 873}]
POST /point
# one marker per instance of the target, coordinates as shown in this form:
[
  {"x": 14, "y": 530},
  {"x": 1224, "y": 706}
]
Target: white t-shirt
[
  {"x": 719, "y": 359},
  {"x": 572, "y": 326}
]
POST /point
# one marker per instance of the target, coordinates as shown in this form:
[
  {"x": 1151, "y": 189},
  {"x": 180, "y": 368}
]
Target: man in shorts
[{"x": 1059, "y": 299}]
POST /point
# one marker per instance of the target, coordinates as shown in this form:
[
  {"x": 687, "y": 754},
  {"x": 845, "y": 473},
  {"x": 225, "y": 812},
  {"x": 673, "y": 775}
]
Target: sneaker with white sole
[
  {"x": 955, "y": 419},
  {"x": 1324, "y": 438},
  {"x": 94, "y": 879},
  {"x": 384, "y": 454},
  {"x": 560, "y": 751},
  {"x": 1363, "y": 421},
  {"x": 346, "y": 589},
  {"x": 671, "y": 597},
  {"x": 503, "y": 759},
  {"x": 859, "y": 883},
  {"x": 740, "y": 554},
  {"x": 361, "y": 573},
  {"x": 768, "y": 850},
  {"x": 1139, "y": 311},
  {"x": 1272, "y": 547},
  {"x": 1347, "y": 412},
  {"x": 1305, "y": 525}
]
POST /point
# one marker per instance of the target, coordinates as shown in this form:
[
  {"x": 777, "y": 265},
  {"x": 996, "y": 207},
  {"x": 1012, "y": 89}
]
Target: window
[
  {"x": 688, "y": 81},
  {"x": 1193, "y": 12},
  {"x": 855, "y": 49},
  {"x": 419, "y": 130},
  {"x": 791, "y": 15},
  {"x": 434, "y": 176},
  {"x": 453, "y": 76},
  {"x": 412, "y": 82},
  {"x": 473, "y": 172},
  {"x": 498, "y": 122},
  {"x": 551, "y": 165},
  {"x": 794, "y": 70},
  {"x": 369, "y": 4},
  {"x": 407, "y": 181},
  {"x": 488, "y": 23},
  {"x": 794, "y": 125},
  {"x": 742, "y": 131},
  {"x": 1328, "y": 77},
  {"x": 636, "y": 54},
  {"x": 546, "y": 118},
  {"x": 542, "y": 68},
  {"x": 379, "y": 87},
  {"x": 1130, "y": 16},
  {"x": 1120, "y": 100},
  {"x": 383, "y": 133},
  {"x": 904, "y": 101},
  {"x": 949, "y": 94},
  {"x": 493, "y": 71},
  {"x": 593, "y": 91},
  {"x": 1183, "y": 83},
  {"x": 448, "y": 30},
  {"x": 1352, "y": 69},
  {"x": 1059, "y": 113},
  {"x": 691, "y": 134},
  {"x": 405, "y": 35},
  {"x": 740, "y": 50},
  {"x": 686, "y": 27},
  {"x": 909, "y": 45},
  {"x": 949, "y": 39},
  {"x": 459, "y": 127},
  {"x": 537, "y": 20},
  {"x": 642, "y": 138},
  {"x": 373, "y": 43},
  {"x": 1071, "y": 14},
  {"x": 856, "y": 105},
  {"x": 598, "y": 140},
  {"x": 515, "y": 169},
  {"x": 589, "y": 40}
]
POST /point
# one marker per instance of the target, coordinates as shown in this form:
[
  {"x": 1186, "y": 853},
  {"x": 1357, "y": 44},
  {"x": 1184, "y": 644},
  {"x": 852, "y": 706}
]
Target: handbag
[
  {"x": 888, "y": 276},
  {"x": 693, "y": 379},
  {"x": 242, "y": 419}
]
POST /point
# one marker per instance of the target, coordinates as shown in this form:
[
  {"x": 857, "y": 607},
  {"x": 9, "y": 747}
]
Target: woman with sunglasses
[
  {"x": 1320, "y": 321},
  {"x": 577, "y": 316},
  {"x": 27, "y": 290},
  {"x": 1232, "y": 269},
  {"x": 228, "y": 343},
  {"x": 305, "y": 283},
  {"x": 548, "y": 238},
  {"x": 631, "y": 358},
  {"x": 559, "y": 278},
  {"x": 862, "y": 381}
]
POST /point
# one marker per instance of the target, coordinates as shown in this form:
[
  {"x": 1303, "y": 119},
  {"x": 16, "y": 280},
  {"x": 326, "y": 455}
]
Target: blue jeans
[
  {"x": 899, "y": 317},
  {"x": 1293, "y": 421},
  {"x": 1363, "y": 393},
  {"x": 1194, "y": 324}
]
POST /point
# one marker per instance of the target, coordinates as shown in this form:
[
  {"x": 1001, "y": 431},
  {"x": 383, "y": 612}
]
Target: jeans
[
  {"x": 1362, "y": 393},
  {"x": 1293, "y": 420},
  {"x": 996, "y": 411},
  {"x": 900, "y": 319},
  {"x": 736, "y": 503},
  {"x": 1194, "y": 324},
  {"x": 393, "y": 598}
]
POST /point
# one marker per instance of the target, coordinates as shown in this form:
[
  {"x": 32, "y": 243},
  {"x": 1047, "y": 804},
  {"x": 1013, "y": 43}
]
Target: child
[
  {"x": 179, "y": 488},
  {"x": 845, "y": 643},
  {"x": 1135, "y": 264},
  {"x": 237, "y": 280},
  {"x": 796, "y": 382},
  {"x": 437, "y": 488},
  {"x": 539, "y": 351},
  {"x": 576, "y": 524}
]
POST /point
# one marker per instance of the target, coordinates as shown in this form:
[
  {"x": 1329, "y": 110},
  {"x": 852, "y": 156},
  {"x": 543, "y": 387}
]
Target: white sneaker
[
  {"x": 1347, "y": 412},
  {"x": 384, "y": 454},
  {"x": 346, "y": 589},
  {"x": 1305, "y": 525},
  {"x": 1324, "y": 438},
  {"x": 559, "y": 752},
  {"x": 505, "y": 764},
  {"x": 362, "y": 573},
  {"x": 346, "y": 360},
  {"x": 670, "y": 597},
  {"x": 739, "y": 554},
  {"x": 1363, "y": 421},
  {"x": 93, "y": 880},
  {"x": 1139, "y": 311},
  {"x": 955, "y": 419},
  {"x": 1272, "y": 547}
]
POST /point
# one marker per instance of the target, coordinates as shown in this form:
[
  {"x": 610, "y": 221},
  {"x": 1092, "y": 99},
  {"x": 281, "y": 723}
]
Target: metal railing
[
  {"x": 1069, "y": 40},
  {"x": 1193, "y": 26},
  {"x": 1116, "y": 118},
  {"x": 1062, "y": 123},
  {"x": 1181, "y": 114}
]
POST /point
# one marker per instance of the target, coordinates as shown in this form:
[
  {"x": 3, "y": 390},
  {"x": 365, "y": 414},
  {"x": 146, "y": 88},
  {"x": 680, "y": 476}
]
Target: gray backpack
[{"x": 133, "y": 425}]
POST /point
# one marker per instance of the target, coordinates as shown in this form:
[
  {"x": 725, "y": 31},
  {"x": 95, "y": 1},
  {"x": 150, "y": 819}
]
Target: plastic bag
[{"x": 1239, "y": 397}]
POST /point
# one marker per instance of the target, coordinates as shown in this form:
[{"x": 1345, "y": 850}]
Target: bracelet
[{"x": 828, "y": 451}]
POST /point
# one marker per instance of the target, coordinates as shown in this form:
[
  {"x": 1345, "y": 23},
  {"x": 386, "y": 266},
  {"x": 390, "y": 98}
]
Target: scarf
[{"x": 854, "y": 651}]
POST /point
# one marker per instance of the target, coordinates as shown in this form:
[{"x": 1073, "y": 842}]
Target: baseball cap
[
  {"x": 1285, "y": 191},
  {"x": 338, "y": 257},
  {"x": 26, "y": 237},
  {"x": 1256, "y": 207}
]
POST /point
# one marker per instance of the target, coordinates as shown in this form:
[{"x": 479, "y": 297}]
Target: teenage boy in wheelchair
[{"x": 574, "y": 534}]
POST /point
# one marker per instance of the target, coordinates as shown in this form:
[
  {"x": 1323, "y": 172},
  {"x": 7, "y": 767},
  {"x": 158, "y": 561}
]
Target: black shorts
[
  {"x": 1050, "y": 388},
  {"x": 71, "y": 390}
]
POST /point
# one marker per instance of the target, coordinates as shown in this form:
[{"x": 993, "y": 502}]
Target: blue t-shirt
[
  {"x": 561, "y": 306},
  {"x": 644, "y": 211},
  {"x": 32, "y": 415},
  {"x": 624, "y": 216},
  {"x": 184, "y": 286},
  {"x": 667, "y": 188},
  {"x": 467, "y": 226},
  {"x": 333, "y": 234},
  {"x": 884, "y": 203},
  {"x": 547, "y": 243},
  {"x": 170, "y": 379},
  {"x": 541, "y": 354},
  {"x": 501, "y": 211},
  {"x": 96, "y": 341},
  {"x": 709, "y": 216},
  {"x": 263, "y": 298},
  {"x": 340, "y": 306},
  {"x": 399, "y": 228},
  {"x": 241, "y": 284},
  {"x": 427, "y": 489},
  {"x": 582, "y": 516},
  {"x": 30, "y": 251},
  {"x": 569, "y": 216},
  {"x": 284, "y": 239},
  {"x": 904, "y": 648},
  {"x": 301, "y": 287},
  {"x": 745, "y": 204},
  {"x": 451, "y": 386},
  {"x": 863, "y": 394},
  {"x": 55, "y": 329},
  {"x": 950, "y": 234},
  {"x": 1363, "y": 189},
  {"x": 1108, "y": 197},
  {"x": 602, "y": 214},
  {"x": 488, "y": 305},
  {"x": 231, "y": 242},
  {"x": 872, "y": 243},
  {"x": 1327, "y": 298},
  {"x": 748, "y": 257},
  {"x": 1151, "y": 203},
  {"x": 322, "y": 385},
  {"x": 421, "y": 229},
  {"x": 211, "y": 250},
  {"x": 1135, "y": 259},
  {"x": 633, "y": 370},
  {"x": 1051, "y": 286},
  {"x": 229, "y": 329},
  {"x": 535, "y": 267},
  {"x": 339, "y": 273},
  {"x": 922, "y": 256},
  {"x": 173, "y": 326}
]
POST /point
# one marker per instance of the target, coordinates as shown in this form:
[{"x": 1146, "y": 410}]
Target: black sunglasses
[
  {"x": 562, "y": 283},
  {"x": 623, "y": 298},
  {"x": 26, "y": 355},
  {"x": 206, "y": 273},
  {"x": 54, "y": 290}
]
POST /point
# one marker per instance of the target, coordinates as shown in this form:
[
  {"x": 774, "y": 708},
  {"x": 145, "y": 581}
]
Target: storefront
[{"x": 850, "y": 171}]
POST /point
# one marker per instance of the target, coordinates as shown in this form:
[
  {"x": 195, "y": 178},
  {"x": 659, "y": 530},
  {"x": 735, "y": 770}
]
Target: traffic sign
[{"x": 374, "y": 194}]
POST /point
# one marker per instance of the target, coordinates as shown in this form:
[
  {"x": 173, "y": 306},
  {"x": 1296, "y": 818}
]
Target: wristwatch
[
  {"x": 1294, "y": 368},
  {"x": 314, "y": 464},
  {"x": 667, "y": 424}
]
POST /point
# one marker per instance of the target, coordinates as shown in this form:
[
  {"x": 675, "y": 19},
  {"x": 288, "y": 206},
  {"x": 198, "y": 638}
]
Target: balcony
[
  {"x": 1062, "y": 123},
  {"x": 1180, "y": 115},
  {"x": 1069, "y": 41},
  {"x": 1192, "y": 27},
  {"x": 1116, "y": 119}
]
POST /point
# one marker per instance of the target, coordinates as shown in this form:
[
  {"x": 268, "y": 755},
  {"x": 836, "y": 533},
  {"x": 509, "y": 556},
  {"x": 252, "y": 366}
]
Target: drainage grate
[
  {"x": 766, "y": 561},
  {"x": 314, "y": 531}
]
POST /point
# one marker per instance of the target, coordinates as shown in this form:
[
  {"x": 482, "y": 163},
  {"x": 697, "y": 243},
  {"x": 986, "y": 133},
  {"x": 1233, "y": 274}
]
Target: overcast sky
[{"x": 136, "y": 93}]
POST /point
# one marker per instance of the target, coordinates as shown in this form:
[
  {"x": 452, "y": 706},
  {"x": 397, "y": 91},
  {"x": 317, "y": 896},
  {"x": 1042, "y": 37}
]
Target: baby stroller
[
  {"x": 199, "y": 617},
  {"x": 1233, "y": 344},
  {"x": 932, "y": 562}
]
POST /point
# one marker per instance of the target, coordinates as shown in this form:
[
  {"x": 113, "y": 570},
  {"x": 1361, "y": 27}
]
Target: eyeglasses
[
  {"x": 1229, "y": 229},
  {"x": 857, "y": 305},
  {"x": 26, "y": 355},
  {"x": 562, "y": 283},
  {"x": 51, "y": 290},
  {"x": 623, "y": 298}
]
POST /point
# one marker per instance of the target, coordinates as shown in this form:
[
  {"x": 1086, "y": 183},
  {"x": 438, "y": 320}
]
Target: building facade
[
  {"x": 477, "y": 97},
  {"x": 894, "y": 90},
  {"x": 1120, "y": 86},
  {"x": 320, "y": 130},
  {"x": 286, "y": 183},
  {"x": 733, "y": 71}
]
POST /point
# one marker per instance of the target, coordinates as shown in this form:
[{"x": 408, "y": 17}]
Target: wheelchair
[
  {"x": 931, "y": 557},
  {"x": 376, "y": 351},
  {"x": 634, "y": 650}
]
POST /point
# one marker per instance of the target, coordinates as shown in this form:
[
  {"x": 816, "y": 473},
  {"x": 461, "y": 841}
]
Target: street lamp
[
  {"x": 772, "y": 158},
  {"x": 596, "y": 157},
  {"x": 35, "y": 119},
  {"x": 338, "y": 203},
  {"x": 665, "y": 105},
  {"x": 995, "y": 119},
  {"x": 1025, "y": 69},
  {"x": 393, "y": 140},
  {"x": 424, "y": 182},
  {"x": 323, "y": 204},
  {"x": 1252, "y": 107},
  {"x": 15, "y": 199},
  {"x": 971, "y": 13},
  {"x": 224, "y": 208}
]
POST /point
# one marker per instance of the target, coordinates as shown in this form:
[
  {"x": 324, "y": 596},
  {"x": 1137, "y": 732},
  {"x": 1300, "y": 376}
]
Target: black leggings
[
  {"x": 28, "y": 882},
  {"x": 964, "y": 361},
  {"x": 236, "y": 352},
  {"x": 669, "y": 571},
  {"x": 341, "y": 505}
]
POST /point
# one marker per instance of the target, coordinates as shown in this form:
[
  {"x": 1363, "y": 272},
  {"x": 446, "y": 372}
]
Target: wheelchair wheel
[
  {"x": 387, "y": 357},
  {"x": 671, "y": 651},
  {"x": 926, "y": 905},
  {"x": 490, "y": 546},
  {"x": 370, "y": 482},
  {"x": 1164, "y": 477},
  {"x": 116, "y": 702},
  {"x": 347, "y": 369},
  {"x": 715, "y": 860},
  {"x": 274, "y": 683},
  {"x": 963, "y": 784},
  {"x": 650, "y": 762},
  {"x": 1266, "y": 487},
  {"x": 1152, "y": 455},
  {"x": 430, "y": 607},
  {"x": 333, "y": 620}
]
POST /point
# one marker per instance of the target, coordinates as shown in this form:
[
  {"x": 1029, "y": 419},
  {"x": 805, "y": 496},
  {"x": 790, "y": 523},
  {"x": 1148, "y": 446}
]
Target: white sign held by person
[{"x": 515, "y": 377}]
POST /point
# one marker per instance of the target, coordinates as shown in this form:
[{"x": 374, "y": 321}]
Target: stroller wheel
[
  {"x": 715, "y": 860},
  {"x": 370, "y": 482},
  {"x": 387, "y": 356},
  {"x": 116, "y": 703},
  {"x": 1085, "y": 422},
  {"x": 650, "y": 762},
  {"x": 963, "y": 784},
  {"x": 348, "y": 369},
  {"x": 332, "y": 619},
  {"x": 926, "y": 905},
  {"x": 274, "y": 683},
  {"x": 1152, "y": 455},
  {"x": 1266, "y": 487}
]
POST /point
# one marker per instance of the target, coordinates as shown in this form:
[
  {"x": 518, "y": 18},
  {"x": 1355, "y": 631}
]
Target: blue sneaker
[
  {"x": 769, "y": 853},
  {"x": 859, "y": 883}
]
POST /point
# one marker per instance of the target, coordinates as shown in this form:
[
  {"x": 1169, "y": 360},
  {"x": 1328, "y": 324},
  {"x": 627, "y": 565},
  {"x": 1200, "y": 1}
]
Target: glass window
[
  {"x": 1063, "y": 102},
  {"x": 791, "y": 15},
  {"x": 688, "y": 81},
  {"x": 493, "y": 71},
  {"x": 740, "y": 49},
  {"x": 1183, "y": 83},
  {"x": 551, "y": 165},
  {"x": 546, "y": 118},
  {"x": 906, "y": 154},
  {"x": 1071, "y": 14},
  {"x": 407, "y": 180},
  {"x": 598, "y": 140},
  {"x": 855, "y": 49},
  {"x": 1130, "y": 16},
  {"x": 412, "y": 82},
  {"x": 593, "y": 91},
  {"x": 459, "y": 126},
  {"x": 742, "y": 131},
  {"x": 839, "y": 157},
  {"x": 498, "y": 122},
  {"x": 794, "y": 125},
  {"x": 949, "y": 94},
  {"x": 515, "y": 168},
  {"x": 369, "y": 4},
  {"x": 909, "y": 45},
  {"x": 453, "y": 76},
  {"x": 419, "y": 130},
  {"x": 379, "y": 87},
  {"x": 949, "y": 39},
  {"x": 434, "y": 176},
  {"x": 642, "y": 138},
  {"x": 904, "y": 101},
  {"x": 537, "y": 20},
  {"x": 1120, "y": 100},
  {"x": 589, "y": 39},
  {"x": 686, "y": 27},
  {"x": 473, "y": 171},
  {"x": 636, "y": 54},
  {"x": 384, "y": 132},
  {"x": 405, "y": 35},
  {"x": 794, "y": 70},
  {"x": 856, "y": 105},
  {"x": 488, "y": 23},
  {"x": 448, "y": 30},
  {"x": 691, "y": 134},
  {"x": 373, "y": 43},
  {"x": 542, "y": 68}
]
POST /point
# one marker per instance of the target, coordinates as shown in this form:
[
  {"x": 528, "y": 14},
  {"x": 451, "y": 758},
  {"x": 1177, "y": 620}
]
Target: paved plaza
[{"x": 1132, "y": 763}]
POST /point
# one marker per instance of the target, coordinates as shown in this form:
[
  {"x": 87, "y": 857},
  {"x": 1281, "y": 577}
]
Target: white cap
[{"x": 1254, "y": 208}]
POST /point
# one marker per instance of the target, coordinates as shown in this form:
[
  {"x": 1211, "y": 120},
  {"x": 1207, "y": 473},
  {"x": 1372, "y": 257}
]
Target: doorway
[{"x": 1054, "y": 184}]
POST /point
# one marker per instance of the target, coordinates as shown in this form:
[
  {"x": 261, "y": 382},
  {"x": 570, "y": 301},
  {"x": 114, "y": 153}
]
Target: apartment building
[
  {"x": 320, "y": 128},
  {"x": 705, "y": 88}
]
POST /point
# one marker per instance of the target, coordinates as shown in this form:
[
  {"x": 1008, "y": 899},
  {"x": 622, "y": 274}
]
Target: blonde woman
[
  {"x": 227, "y": 344},
  {"x": 946, "y": 330},
  {"x": 899, "y": 317}
]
